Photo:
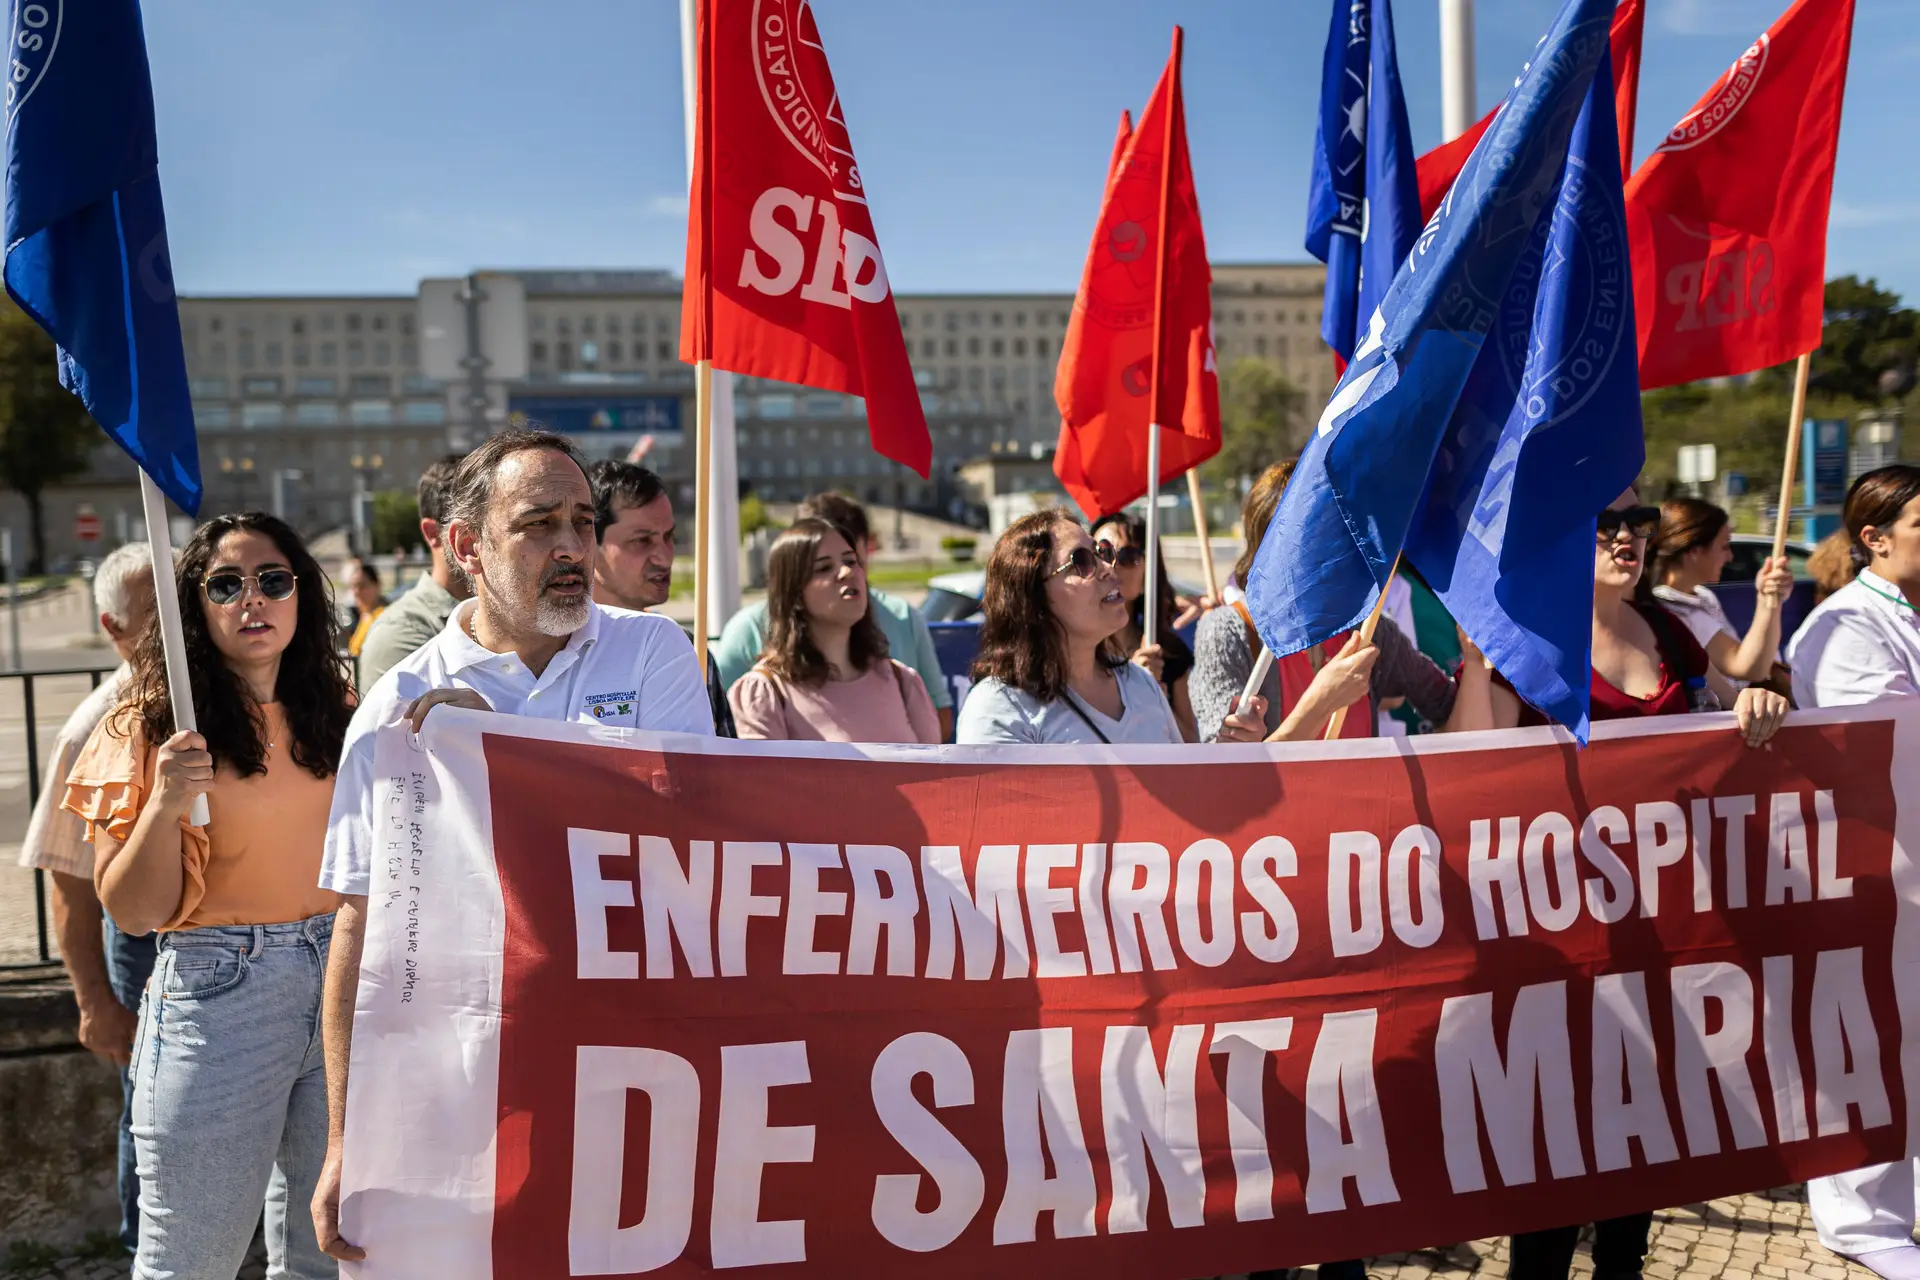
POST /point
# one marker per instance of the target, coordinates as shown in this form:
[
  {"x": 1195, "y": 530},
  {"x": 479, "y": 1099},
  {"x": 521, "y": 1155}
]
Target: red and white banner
[{"x": 637, "y": 1005}]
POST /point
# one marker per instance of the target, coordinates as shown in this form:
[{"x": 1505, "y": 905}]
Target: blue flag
[
  {"x": 86, "y": 237},
  {"x": 1492, "y": 408},
  {"x": 1363, "y": 204}
]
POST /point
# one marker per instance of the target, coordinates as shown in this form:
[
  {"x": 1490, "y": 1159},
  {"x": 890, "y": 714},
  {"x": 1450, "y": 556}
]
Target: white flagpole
[
  {"x": 720, "y": 492},
  {"x": 1150, "y": 610},
  {"x": 1457, "y": 111},
  {"x": 173, "y": 640}
]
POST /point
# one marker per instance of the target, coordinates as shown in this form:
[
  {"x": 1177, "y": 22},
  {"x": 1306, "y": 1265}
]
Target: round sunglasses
[
  {"x": 1641, "y": 522},
  {"x": 227, "y": 587},
  {"x": 1081, "y": 560}
]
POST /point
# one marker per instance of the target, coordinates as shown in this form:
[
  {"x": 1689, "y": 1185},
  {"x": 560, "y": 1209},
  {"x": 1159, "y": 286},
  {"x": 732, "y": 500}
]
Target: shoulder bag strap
[{"x": 1074, "y": 703}]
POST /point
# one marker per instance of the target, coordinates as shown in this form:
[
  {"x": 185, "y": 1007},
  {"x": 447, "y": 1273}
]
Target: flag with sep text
[
  {"x": 1728, "y": 217},
  {"x": 86, "y": 231},
  {"x": 784, "y": 277},
  {"x": 1104, "y": 386},
  {"x": 1493, "y": 409}
]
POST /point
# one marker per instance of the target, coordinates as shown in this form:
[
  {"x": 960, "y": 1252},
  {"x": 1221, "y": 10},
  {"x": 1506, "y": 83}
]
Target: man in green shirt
[
  {"x": 420, "y": 614},
  {"x": 908, "y": 638}
]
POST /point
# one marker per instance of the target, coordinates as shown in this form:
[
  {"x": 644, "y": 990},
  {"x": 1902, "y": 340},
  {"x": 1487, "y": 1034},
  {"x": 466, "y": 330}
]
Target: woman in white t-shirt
[
  {"x": 1689, "y": 553},
  {"x": 1045, "y": 672}
]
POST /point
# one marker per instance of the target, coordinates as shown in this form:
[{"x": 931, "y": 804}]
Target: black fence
[{"x": 29, "y": 706}]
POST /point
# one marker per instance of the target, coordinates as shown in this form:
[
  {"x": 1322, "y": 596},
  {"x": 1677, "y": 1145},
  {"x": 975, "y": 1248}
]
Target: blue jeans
[
  {"x": 129, "y": 965},
  {"x": 230, "y": 1101}
]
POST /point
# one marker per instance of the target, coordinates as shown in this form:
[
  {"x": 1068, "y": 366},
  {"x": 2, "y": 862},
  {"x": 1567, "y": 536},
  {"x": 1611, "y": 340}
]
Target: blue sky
[{"x": 358, "y": 145}]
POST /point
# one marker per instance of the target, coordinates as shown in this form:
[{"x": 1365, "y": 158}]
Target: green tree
[
  {"x": 1261, "y": 422},
  {"x": 396, "y": 521},
  {"x": 46, "y": 434}
]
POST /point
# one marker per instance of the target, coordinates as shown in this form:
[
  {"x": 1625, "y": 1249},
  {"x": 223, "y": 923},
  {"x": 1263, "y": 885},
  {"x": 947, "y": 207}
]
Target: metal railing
[{"x": 29, "y": 706}]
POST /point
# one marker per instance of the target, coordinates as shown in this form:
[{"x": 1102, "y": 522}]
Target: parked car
[{"x": 1750, "y": 549}]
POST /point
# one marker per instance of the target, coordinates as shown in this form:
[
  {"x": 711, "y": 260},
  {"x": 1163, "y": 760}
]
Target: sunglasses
[
  {"x": 228, "y": 587},
  {"x": 1120, "y": 557},
  {"x": 1641, "y": 522},
  {"x": 1081, "y": 562}
]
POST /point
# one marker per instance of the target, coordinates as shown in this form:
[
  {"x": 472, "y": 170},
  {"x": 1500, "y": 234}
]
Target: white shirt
[
  {"x": 998, "y": 713},
  {"x": 1700, "y": 610},
  {"x": 1862, "y": 644},
  {"x": 57, "y": 840},
  {"x": 625, "y": 669}
]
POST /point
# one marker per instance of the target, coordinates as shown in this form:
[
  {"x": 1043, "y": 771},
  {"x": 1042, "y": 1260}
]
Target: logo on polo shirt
[{"x": 605, "y": 706}]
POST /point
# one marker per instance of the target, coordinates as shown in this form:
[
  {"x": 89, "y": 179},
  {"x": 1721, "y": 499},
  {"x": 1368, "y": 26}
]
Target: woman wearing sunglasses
[
  {"x": 1046, "y": 672},
  {"x": 825, "y": 675},
  {"x": 1645, "y": 663},
  {"x": 1121, "y": 541},
  {"x": 229, "y": 1093}
]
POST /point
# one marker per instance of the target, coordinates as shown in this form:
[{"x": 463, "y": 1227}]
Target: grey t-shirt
[
  {"x": 405, "y": 625},
  {"x": 995, "y": 713}
]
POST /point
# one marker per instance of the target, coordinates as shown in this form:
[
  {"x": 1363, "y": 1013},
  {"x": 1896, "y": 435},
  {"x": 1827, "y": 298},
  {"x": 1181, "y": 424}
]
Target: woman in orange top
[{"x": 229, "y": 1091}]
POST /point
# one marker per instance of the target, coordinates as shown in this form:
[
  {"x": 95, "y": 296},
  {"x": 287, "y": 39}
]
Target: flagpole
[
  {"x": 1149, "y": 605},
  {"x": 1200, "y": 528},
  {"x": 697, "y": 67},
  {"x": 720, "y": 490},
  {"x": 173, "y": 640},
  {"x": 1338, "y": 721},
  {"x": 1795, "y": 428},
  {"x": 703, "y": 505}
]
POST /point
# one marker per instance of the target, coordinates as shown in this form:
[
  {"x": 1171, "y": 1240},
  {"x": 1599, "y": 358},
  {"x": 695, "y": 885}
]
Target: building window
[
  {"x": 664, "y": 351},
  {"x": 973, "y": 346},
  {"x": 217, "y": 352},
  {"x": 776, "y": 407},
  {"x": 329, "y": 354},
  {"x": 356, "y": 353},
  {"x": 538, "y": 353},
  {"x": 371, "y": 384},
  {"x": 379, "y": 324},
  {"x": 613, "y": 325},
  {"x": 317, "y": 387},
  {"x": 419, "y": 384},
  {"x": 1019, "y": 319},
  {"x": 212, "y": 415},
  {"x": 268, "y": 387},
  {"x": 424, "y": 412},
  {"x": 563, "y": 355},
  {"x": 999, "y": 347},
  {"x": 406, "y": 322},
  {"x": 371, "y": 413},
  {"x": 973, "y": 319},
  {"x": 353, "y": 324},
  {"x": 263, "y": 415},
  {"x": 613, "y": 348},
  {"x": 1040, "y": 346},
  {"x": 1260, "y": 345},
  {"x": 302, "y": 355},
  {"x": 823, "y": 406},
  {"x": 539, "y": 322},
  {"x": 317, "y": 413},
  {"x": 563, "y": 327},
  {"x": 326, "y": 322},
  {"x": 409, "y": 352},
  {"x": 212, "y": 388},
  {"x": 382, "y": 352},
  {"x": 586, "y": 326},
  {"x": 589, "y": 351},
  {"x": 275, "y": 354},
  {"x": 1020, "y": 347},
  {"x": 929, "y": 349},
  {"x": 244, "y": 355},
  {"x": 213, "y": 325}
]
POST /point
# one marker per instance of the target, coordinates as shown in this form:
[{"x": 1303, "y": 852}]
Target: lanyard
[{"x": 1902, "y": 601}]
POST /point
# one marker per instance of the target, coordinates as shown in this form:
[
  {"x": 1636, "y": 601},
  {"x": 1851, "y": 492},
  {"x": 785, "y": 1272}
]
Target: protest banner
[{"x": 649, "y": 1005}]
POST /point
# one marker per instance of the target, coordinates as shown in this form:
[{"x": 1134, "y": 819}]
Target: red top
[{"x": 1670, "y": 699}]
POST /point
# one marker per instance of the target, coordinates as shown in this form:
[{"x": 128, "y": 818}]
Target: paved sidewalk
[{"x": 1766, "y": 1236}]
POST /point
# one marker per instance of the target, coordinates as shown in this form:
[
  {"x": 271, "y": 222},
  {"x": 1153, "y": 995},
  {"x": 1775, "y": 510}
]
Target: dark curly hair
[
  {"x": 312, "y": 689},
  {"x": 1021, "y": 645}
]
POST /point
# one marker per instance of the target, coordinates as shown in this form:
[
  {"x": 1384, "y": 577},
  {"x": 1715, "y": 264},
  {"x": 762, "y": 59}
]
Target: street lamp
[{"x": 365, "y": 466}]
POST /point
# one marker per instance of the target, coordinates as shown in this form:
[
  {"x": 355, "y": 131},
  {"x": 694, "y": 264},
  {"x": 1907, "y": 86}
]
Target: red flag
[
  {"x": 1439, "y": 167},
  {"x": 1727, "y": 220},
  {"x": 1107, "y": 376},
  {"x": 784, "y": 275},
  {"x": 1121, "y": 136}
]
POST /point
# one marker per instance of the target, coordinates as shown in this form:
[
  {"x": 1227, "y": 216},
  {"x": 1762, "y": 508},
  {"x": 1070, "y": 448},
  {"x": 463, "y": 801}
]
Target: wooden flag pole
[
  {"x": 1148, "y": 605},
  {"x": 1338, "y": 722},
  {"x": 702, "y": 504},
  {"x": 1796, "y": 427},
  {"x": 173, "y": 641},
  {"x": 1200, "y": 530}
]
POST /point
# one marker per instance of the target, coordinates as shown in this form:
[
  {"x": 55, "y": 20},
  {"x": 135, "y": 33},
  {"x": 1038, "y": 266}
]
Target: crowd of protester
[{"x": 540, "y": 599}]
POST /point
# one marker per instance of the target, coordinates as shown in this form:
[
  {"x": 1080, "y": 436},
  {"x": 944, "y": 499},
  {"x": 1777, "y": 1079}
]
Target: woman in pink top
[{"x": 825, "y": 675}]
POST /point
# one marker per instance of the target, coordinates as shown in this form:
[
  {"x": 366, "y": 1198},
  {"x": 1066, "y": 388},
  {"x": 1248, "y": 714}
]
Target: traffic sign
[
  {"x": 86, "y": 526},
  {"x": 1699, "y": 464}
]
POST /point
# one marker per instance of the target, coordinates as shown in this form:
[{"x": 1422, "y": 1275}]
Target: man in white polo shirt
[{"x": 531, "y": 642}]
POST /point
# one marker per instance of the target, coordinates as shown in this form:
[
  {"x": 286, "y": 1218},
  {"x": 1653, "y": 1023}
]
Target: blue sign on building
[
  {"x": 1823, "y": 452},
  {"x": 583, "y": 414}
]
